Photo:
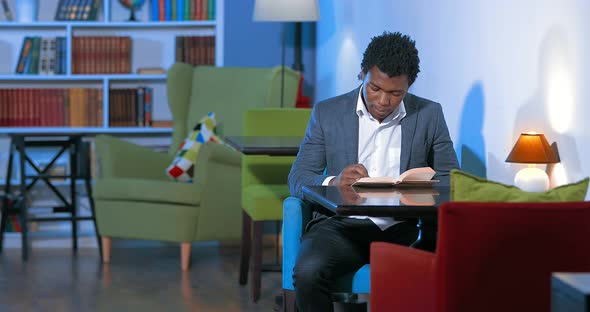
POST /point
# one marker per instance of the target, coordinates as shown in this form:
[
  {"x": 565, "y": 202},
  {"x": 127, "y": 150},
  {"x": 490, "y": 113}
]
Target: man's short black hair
[{"x": 394, "y": 54}]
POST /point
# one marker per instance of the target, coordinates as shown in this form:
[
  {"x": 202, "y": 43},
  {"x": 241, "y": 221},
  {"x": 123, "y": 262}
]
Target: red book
[{"x": 161, "y": 10}]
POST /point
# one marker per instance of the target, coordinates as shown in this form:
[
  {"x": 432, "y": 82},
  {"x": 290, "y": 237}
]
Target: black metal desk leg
[
  {"x": 74, "y": 145},
  {"x": 20, "y": 146}
]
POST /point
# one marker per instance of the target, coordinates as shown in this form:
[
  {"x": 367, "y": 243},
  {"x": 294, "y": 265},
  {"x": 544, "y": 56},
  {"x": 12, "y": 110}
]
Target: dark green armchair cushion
[{"x": 467, "y": 187}]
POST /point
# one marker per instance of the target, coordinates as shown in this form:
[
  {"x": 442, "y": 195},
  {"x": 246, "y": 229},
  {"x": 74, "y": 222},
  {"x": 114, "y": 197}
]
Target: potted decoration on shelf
[{"x": 132, "y": 5}]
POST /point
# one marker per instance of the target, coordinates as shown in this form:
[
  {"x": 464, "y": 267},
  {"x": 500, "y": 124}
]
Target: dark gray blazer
[{"x": 331, "y": 141}]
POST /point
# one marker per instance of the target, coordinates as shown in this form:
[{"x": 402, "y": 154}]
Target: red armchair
[{"x": 489, "y": 257}]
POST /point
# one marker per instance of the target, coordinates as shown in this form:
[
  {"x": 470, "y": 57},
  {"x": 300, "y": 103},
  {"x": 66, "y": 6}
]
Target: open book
[{"x": 414, "y": 177}]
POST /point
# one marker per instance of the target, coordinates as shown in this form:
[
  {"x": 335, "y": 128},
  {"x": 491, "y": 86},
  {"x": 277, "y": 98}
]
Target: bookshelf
[{"x": 156, "y": 37}]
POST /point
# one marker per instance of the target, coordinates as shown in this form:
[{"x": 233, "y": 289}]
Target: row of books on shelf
[
  {"x": 195, "y": 50},
  {"x": 77, "y": 10},
  {"x": 131, "y": 107},
  {"x": 42, "y": 55},
  {"x": 182, "y": 10},
  {"x": 75, "y": 107},
  {"x": 101, "y": 54}
]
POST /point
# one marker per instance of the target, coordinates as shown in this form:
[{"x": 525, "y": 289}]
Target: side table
[{"x": 79, "y": 164}]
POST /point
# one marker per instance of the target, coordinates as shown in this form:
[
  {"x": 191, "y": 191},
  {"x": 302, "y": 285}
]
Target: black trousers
[{"x": 334, "y": 247}]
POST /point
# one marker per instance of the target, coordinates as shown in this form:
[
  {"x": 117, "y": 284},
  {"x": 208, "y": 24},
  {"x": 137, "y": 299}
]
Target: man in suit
[{"x": 378, "y": 129}]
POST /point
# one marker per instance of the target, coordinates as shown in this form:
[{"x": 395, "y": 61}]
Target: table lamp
[
  {"x": 532, "y": 148},
  {"x": 288, "y": 11}
]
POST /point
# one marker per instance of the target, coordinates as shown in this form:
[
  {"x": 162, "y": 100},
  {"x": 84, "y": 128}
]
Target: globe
[{"x": 132, "y": 5}]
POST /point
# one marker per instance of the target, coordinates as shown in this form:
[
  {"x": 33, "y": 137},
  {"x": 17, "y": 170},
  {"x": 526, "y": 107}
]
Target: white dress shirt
[{"x": 379, "y": 148}]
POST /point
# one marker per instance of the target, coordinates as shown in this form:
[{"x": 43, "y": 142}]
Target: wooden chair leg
[
  {"x": 257, "y": 263},
  {"x": 185, "y": 255},
  {"x": 289, "y": 304},
  {"x": 106, "y": 249},
  {"x": 245, "y": 247}
]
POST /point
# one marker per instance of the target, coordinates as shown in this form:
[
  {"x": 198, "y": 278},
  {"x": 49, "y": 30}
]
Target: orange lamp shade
[{"x": 532, "y": 148}]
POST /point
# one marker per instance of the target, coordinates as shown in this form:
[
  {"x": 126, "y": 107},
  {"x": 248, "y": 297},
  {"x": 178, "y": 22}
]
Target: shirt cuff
[{"x": 327, "y": 181}]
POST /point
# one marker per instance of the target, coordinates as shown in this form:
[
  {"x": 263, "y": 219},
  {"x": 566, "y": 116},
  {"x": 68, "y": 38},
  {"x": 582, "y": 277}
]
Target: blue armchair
[{"x": 296, "y": 214}]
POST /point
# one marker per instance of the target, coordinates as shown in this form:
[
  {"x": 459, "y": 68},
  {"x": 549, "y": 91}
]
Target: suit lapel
[
  {"x": 408, "y": 128},
  {"x": 350, "y": 129}
]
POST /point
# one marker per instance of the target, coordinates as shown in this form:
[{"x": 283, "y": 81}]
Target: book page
[{"x": 415, "y": 176}]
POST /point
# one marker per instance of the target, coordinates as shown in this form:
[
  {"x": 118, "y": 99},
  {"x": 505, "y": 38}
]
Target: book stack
[
  {"x": 74, "y": 107},
  {"x": 101, "y": 55},
  {"x": 42, "y": 55},
  {"x": 182, "y": 10},
  {"x": 131, "y": 107},
  {"x": 77, "y": 10},
  {"x": 195, "y": 50}
]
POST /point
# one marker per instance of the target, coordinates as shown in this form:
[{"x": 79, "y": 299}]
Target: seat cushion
[
  {"x": 264, "y": 202},
  {"x": 467, "y": 187},
  {"x": 156, "y": 191}
]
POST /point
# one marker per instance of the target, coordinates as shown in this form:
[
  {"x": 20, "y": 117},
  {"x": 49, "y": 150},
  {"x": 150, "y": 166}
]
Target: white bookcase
[{"x": 153, "y": 45}]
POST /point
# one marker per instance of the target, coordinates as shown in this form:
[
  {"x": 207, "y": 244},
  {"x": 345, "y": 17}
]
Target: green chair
[
  {"x": 264, "y": 183},
  {"x": 134, "y": 197}
]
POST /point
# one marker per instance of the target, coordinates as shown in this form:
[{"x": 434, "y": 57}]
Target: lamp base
[{"x": 532, "y": 180}]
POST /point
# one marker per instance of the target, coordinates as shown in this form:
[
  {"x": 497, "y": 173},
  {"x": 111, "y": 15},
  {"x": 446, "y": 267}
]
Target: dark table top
[
  {"x": 266, "y": 145},
  {"x": 371, "y": 201}
]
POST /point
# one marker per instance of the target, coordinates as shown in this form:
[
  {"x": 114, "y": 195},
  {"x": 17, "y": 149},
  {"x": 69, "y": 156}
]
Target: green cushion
[
  {"x": 467, "y": 187},
  {"x": 263, "y": 202},
  {"x": 156, "y": 191}
]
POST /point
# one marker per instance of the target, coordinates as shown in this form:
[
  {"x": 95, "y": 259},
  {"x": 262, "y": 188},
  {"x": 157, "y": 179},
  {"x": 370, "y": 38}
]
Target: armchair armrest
[
  {"x": 296, "y": 214},
  {"x": 217, "y": 180},
  {"x": 402, "y": 278},
  {"x": 122, "y": 159}
]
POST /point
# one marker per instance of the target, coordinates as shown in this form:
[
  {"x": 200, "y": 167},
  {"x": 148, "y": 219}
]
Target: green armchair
[
  {"x": 134, "y": 197},
  {"x": 264, "y": 183}
]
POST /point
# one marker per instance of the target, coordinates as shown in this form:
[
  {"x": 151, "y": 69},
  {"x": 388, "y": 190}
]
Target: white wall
[{"x": 497, "y": 67}]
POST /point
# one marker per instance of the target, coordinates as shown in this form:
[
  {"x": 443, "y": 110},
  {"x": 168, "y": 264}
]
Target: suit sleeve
[
  {"x": 442, "y": 157},
  {"x": 308, "y": 168}
]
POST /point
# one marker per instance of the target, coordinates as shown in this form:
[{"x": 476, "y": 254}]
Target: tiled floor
[{"x": 142, "y": 276}]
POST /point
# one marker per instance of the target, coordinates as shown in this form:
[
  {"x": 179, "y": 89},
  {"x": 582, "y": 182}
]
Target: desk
[
  {"x": 266, "y": 145},
  {"x": 570, "y": 292},
  {"x": 252, "y": 230},
  {"x": 421, "y": 203}
]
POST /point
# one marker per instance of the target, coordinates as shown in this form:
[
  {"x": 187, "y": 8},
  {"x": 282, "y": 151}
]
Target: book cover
[
  {"x": 211, "y": 10},
  {"x": 179, "y": 10},
  {"x": 25, "y": 54},
  {"x": 148, "y": 107},
  {"x": 35, "y": 54},
  {"x": 411, "y": 177},
  {"x": 140, "y": 109}
]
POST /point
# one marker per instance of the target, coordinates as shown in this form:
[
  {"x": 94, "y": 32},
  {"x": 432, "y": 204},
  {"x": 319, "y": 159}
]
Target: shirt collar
[{"x": 361, "y": 110}]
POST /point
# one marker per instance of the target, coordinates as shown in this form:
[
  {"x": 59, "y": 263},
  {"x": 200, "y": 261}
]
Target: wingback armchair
[
  {"x": 135, "y": 199},
  {"x": 489, "y": 257}
]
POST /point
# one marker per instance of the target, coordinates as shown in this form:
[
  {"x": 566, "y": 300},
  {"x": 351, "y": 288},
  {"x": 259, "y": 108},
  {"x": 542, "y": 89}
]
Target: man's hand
[{"x": 350, "y": 174}]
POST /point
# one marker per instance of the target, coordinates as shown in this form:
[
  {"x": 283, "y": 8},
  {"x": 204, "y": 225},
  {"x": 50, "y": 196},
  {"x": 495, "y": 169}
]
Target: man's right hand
[{"x": 350, "y": 174}]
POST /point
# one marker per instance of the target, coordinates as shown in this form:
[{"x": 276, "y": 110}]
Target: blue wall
[{"x": 258, "y": 44}]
